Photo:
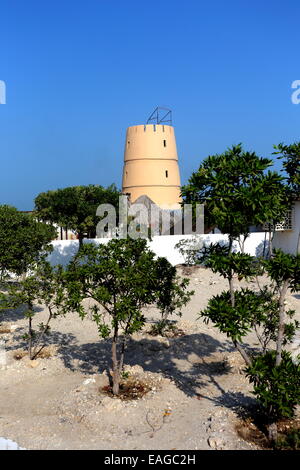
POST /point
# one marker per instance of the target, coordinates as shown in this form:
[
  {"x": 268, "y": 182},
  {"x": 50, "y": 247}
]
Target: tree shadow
[
  {"x": 241, "y": 404},
  {"x": 62, "y": 340},
  {"x": 191, "y": 361},
  {"x": 15, "y": 314}
]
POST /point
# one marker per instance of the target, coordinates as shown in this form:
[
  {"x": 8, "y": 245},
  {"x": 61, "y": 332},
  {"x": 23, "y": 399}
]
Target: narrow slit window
[
  {"x": 167, "y": 174},
  {"x": 165, "y": 143},
  {"x": 128, "y": 143}
]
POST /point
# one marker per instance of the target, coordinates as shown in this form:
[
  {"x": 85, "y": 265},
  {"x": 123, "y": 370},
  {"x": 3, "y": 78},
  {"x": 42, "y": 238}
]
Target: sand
[{"x": 198, "y": 389}]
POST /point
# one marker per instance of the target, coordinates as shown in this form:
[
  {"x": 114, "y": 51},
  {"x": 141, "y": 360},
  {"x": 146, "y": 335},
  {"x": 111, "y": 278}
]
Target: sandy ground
[{"x": 198, "y": 388}]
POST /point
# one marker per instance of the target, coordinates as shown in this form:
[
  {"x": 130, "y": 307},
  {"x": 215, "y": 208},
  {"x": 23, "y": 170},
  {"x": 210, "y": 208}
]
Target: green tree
[
  {"x": 122, "y": 277},
  {"x": 284, "y": 270},
  {"x": 290, "y": 154},
  {"x": 75, "y": 207},
  {"x": 45, "y": 286},
  {"x": 23, "y": 240},
  {"x": 237, "y": 192},
  {"x": 239, "y": 312}
]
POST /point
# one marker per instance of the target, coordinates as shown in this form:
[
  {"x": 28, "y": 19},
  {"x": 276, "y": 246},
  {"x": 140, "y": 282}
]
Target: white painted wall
[
  {"x": 288, "y": 240},
  {"x": 64, "y": 250}
]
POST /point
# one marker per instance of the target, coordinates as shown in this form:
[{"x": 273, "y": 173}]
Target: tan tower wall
[{"x": 151, "y": 164}]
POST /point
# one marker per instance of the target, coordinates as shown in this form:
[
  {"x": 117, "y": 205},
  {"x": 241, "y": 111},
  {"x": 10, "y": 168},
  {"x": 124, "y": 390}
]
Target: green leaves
[
  {"x": 123, "y": 276},
  {"x": 219, "y": 259},
  {"x": 290, "y": 154},
  {"x": 235, "y": 321},
  {"x": 23, "y": 240},
  {"x": 276, "y": 387},
  {"x": 284, "y": 267},
  {"x": 46, "y": 285},
  {"x": 237, "y": 191},
  {"x": 75, "y": 207}
]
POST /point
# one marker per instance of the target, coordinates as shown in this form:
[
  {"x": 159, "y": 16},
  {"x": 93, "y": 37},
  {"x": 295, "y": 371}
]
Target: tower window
[
  {"x": 128, "y": 143},
  {"x": 165, "y": 143},
  {"x": 167, "y": 174}
]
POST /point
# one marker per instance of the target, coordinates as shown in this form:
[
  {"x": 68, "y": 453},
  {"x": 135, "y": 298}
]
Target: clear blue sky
[{"x": 79, "y": 72}]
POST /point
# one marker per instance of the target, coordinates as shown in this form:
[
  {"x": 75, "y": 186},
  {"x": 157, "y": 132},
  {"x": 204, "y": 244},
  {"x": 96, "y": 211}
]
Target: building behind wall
[{"x": 287, "y": 235}]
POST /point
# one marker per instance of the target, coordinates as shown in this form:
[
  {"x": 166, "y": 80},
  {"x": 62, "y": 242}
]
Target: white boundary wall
[{"x": 64, "y": 250}]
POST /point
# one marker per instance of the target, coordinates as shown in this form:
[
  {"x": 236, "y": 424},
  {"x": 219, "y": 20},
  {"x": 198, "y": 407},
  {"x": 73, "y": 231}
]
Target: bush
[{"x": 277, "y": 388}]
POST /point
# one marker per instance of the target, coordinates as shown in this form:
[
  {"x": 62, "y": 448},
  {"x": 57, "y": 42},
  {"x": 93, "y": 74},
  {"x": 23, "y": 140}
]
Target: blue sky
[{"x": 79, "y": 73}]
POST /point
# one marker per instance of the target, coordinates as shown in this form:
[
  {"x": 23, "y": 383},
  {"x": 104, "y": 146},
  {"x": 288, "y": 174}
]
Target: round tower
[{"x": 151, "y": 165}]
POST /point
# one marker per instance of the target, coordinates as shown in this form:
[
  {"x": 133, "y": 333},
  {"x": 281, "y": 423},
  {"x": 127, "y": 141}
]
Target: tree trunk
[
  {"x": 272, "y": 432},
  {"x": 283, "y": 292},
  {"x": 116, "y": 369},
  {"x": 30, "y": 333},
  {"x": 243, "y": 353},
  {"x": 265, "y": 241},
  {"x": 231, "y": 288},
  {"x": 242, "y": 243},
  {"x": 230, "y": 244},
  {"x": 121, "y": 364},
  {"x": 38, "y": 349},
  {"x": 271, "y": 236},
  {"x": 80, "y": 239}
]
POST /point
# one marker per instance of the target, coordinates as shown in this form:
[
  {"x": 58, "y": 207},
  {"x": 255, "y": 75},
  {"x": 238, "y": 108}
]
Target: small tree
[
  {"x": 284, "y": 270},
  {"x": 122, "y": 277},
  {"x": 190, "y": 250},
  {"x": 75, "y": 207},
  {"x": 45, "y": 286},
  {"x": 232, "y": 312},
  {"x": 23, "y": 240},
  {"x": 237, "y": 192},
  {"x": 237, "y": 313},
  {"x": 290, "y": 154}
]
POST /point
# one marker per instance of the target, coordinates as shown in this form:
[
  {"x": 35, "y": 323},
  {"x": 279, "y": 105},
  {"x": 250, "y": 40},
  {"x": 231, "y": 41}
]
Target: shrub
[{"x": 277, "y": 387}]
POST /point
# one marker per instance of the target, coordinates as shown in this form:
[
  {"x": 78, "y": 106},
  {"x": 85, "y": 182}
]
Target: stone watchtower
[{"x": 151, "y": 162}]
